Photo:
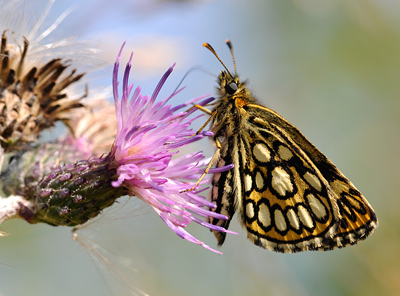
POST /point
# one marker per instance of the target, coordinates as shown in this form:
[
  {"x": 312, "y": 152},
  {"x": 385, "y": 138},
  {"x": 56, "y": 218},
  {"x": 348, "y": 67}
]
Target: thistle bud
[{"x": 71, "y": 195}]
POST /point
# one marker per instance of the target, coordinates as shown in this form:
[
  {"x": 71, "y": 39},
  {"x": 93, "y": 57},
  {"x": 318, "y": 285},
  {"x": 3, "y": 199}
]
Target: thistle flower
[
  {"x": 143, "y": 162},
  {"x": 148, "y": 137}
]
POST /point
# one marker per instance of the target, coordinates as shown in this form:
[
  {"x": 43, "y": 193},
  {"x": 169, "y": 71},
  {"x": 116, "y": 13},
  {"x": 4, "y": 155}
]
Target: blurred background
[{"x": 332, "y": 68}]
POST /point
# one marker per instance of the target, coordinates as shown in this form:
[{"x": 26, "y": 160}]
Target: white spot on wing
[
  {"x": 313, "y": 181},
  {"x": 237, "y": 173},
  {"x": 247, "y": 182},
  {"x": 285, "y": 153},
  {"x": 355, "y": 203},
  {"x": 261, "y": 152},
  {"x": 250, "y": 210},
  {"x": 293, "y": 219},
  {"x": 316, "y": 206},
  {"x": 243, "y": 153},
  {"x": 281, "y": 181},
  {"x": 305, "y": 216},
  {"x": 351, "y": 237},
  {"x": 280, "y": 221},
  {"x": 264, "y": 216},
  {"x": 259, "y": 181}
]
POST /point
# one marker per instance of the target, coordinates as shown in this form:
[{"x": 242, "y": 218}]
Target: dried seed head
[{"x": 31, "y": 98}]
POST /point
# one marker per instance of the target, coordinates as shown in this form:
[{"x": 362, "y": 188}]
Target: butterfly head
[{"x": 229, "y": 85}]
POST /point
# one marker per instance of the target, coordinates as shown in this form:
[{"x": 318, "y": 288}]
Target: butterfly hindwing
[{"x": 289, "y": 195}]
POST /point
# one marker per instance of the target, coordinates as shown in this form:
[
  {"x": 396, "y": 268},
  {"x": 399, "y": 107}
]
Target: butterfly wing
[
  {"x": 290, "y": 196},
  {"x": 227, "y": 186}
]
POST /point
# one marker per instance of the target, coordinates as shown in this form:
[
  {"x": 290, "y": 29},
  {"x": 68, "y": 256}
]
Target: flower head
[{"x": 148, "y": 137}]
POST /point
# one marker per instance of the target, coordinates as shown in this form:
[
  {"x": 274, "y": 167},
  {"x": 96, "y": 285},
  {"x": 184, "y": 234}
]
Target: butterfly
[{"x": 290, "y": 197}]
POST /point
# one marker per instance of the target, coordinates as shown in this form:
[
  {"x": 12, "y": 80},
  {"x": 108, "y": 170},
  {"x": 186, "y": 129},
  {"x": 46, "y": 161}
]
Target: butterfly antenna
[
  {"x": 190, "y": 71},
  {"x": 229, "y": 43},
  {"x": 210, "y": 48}
]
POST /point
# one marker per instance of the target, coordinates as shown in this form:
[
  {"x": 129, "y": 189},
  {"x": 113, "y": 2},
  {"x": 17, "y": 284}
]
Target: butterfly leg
[
  {"x": 205, "y": 110},
  {"x": 210, "y": 164},
  {"x": 218, "y": 144}
]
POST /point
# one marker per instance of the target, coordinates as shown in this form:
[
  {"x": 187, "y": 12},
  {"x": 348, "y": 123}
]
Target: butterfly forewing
[{"x": 290, "y": 197}]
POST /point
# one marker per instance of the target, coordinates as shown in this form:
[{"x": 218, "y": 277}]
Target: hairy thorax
[{"x": 230, "y": 109}]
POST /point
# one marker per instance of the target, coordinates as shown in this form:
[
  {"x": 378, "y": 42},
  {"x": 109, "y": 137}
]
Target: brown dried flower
[{"x": 31, "y": 99}]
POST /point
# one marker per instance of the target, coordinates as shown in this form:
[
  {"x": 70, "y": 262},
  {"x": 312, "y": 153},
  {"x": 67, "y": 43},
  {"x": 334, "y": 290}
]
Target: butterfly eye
[{"x": 231, "y": 88}]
